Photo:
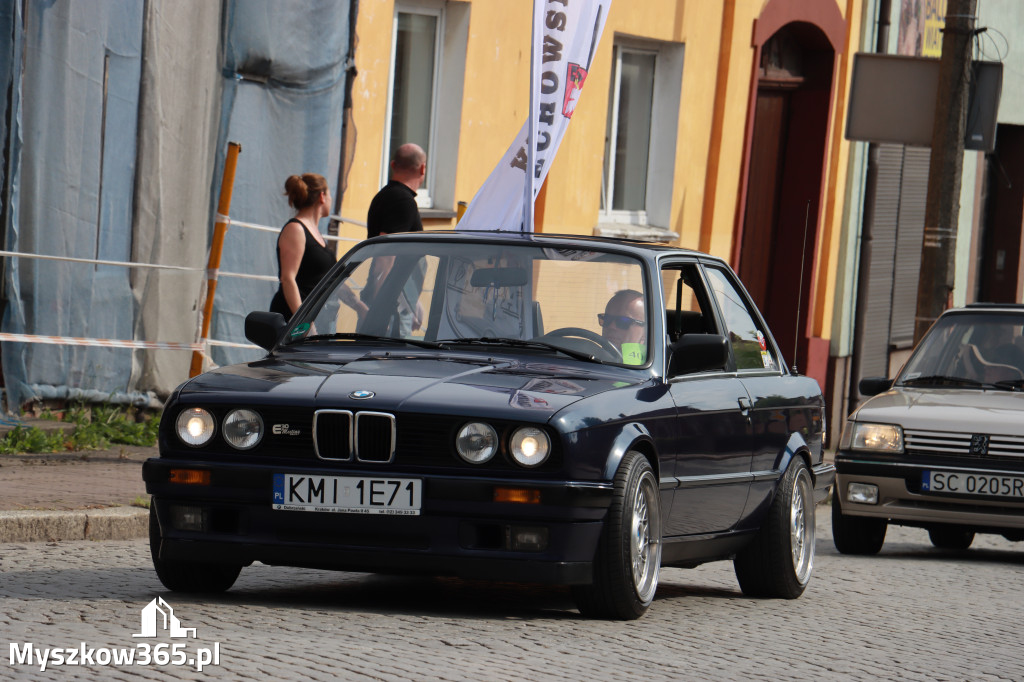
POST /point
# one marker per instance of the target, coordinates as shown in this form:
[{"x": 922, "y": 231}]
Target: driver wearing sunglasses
[{"x": 624, "y": 319}]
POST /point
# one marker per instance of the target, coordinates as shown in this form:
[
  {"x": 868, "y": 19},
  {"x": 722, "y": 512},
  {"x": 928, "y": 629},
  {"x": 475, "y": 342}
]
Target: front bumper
[
  {"x": 900, "y": 499},
  {"x": 824, "y": 476},
  {"x": 460, "y": 530}
]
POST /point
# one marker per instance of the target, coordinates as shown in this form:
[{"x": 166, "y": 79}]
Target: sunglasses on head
[{"x": 620, "y": 321}]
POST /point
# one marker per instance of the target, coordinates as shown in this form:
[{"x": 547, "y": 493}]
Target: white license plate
[
  {"x": 348, "y": 494},
  {"x": 959, "y": 482}
]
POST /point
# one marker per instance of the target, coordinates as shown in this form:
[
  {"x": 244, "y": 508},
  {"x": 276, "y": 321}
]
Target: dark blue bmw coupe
[{"x": 515, "y": 407}]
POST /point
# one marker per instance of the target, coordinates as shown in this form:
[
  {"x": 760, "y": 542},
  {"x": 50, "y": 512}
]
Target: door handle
[{"x": 745, "y": 406}]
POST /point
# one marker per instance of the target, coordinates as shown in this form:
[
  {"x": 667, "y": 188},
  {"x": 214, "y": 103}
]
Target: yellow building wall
[{"x": 717, "y": 71}]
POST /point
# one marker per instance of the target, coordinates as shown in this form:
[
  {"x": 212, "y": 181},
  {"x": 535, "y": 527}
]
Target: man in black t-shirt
[{"x": 394, "y": 208}]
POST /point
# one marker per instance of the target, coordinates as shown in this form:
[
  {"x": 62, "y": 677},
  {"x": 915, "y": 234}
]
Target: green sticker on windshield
[
  {"x": 634, "y": 354},
  {"x": 300, "y": 330}
]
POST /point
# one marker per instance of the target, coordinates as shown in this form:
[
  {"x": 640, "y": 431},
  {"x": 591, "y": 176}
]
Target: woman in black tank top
[{"x": 303, "y": 257}]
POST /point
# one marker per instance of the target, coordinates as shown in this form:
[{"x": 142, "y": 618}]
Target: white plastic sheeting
[
  {"x": 75, "y": 71},
  {"x": 284, "y": 70},
  {"x": 119, "y": 117}
]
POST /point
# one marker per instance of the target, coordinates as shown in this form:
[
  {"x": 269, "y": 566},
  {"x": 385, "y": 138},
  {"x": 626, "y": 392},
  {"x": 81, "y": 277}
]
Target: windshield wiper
[
  {"x": 1010, "y": 384},
  {"x": 941, "y": 380},
  {"x": 520, "y": 343},
  {"x": 353, "y": 336}
]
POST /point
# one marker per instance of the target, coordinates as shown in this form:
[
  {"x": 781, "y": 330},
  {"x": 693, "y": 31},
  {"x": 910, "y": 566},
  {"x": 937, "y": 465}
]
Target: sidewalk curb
[{"x": 114, "y": 523}]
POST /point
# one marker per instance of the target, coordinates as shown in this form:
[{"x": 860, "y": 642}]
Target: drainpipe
[
  {"x": 867, "y": 229},
  {"x": 346, "y": 112}
]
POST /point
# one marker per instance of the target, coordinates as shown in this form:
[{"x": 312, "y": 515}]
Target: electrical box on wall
[{"x": 892, "y": 99}]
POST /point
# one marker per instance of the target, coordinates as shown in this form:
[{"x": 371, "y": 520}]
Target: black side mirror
[
  {"x": 697, "y": 353},
  {"x": 874, "y": 385},
  {"x": 263, "y": 328}
]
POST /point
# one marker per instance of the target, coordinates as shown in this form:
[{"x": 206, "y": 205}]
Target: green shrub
[{"x": 95, "y": 427}]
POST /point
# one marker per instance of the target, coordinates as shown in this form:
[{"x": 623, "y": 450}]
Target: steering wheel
[{"x": 609, "y": 350}]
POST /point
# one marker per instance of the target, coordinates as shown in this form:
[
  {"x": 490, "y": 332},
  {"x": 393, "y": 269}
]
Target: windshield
[
  {"x": 588, "y": 304},
  {"x": 973, "y": 349}
]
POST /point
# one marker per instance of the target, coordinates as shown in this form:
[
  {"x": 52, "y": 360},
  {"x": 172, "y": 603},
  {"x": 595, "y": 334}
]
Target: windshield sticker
[
  {"x": 634, "y": 354},
  {"x": 300, "y": 329}
]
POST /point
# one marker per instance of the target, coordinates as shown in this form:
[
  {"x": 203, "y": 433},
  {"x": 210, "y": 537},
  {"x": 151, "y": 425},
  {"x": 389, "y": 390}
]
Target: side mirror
[
  {"x": 263, "y": 328},
  {"x": 697, "y": 353},
  {"x": 874, "y": 385}
]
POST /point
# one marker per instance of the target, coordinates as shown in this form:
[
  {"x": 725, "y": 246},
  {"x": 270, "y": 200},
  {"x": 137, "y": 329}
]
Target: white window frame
[
  {"x": 634, "y": 217},
  {"x": 424, "y": 198},
  {"x": 665, "y": 112}
]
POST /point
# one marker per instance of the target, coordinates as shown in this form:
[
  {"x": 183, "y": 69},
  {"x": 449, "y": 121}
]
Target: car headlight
[
  {"x": 874, "y": 437},
  {"x": 243, "y": 429},
  {"x": 530, "y": 446},
  {"x": 477, "y": 442},
  {"x": 195, "y": 426}
]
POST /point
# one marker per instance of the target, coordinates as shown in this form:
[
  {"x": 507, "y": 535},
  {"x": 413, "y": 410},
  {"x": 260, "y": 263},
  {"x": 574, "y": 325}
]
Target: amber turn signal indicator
[
  {"x": 519, "y": 495},
  {"x": 190, "y": 476}
]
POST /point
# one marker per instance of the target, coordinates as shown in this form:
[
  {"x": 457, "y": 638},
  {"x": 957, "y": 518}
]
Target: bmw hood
[
  {"x": 487, "y": 387},
  {"x": 947, "y": 409}
]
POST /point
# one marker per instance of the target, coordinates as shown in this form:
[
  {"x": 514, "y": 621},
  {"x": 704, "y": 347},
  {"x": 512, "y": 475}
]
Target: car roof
[
  {"x": 978, "y": 307},
  {"x": 639, "y": 249}
]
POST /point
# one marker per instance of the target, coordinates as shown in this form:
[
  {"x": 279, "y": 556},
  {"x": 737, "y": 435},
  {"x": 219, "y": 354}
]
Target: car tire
[
  {"x": 951, "y": 537},
  {"x": 779, "y": 561},
  {"x": 628, "y": 556},
  {"x": 856, "y": 534},
  {"x": 188, "y": 576}
]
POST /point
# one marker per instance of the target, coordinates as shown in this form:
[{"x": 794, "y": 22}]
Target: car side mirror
[
  {"x": 263, "y": 328},
  {"x": 874, "y": 385},
  {"x": 697, "y": 353}
]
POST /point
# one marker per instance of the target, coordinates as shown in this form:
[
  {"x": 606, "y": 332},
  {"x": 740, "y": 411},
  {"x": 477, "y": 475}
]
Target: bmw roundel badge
[{"x": 361, "y": 395}]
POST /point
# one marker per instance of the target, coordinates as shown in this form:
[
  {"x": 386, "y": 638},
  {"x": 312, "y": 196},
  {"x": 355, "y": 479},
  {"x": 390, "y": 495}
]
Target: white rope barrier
[
  {"x": 118, "y": 343},
  {"x": 102, "y": 343},
  {"x": 92, "y": 261},
  {"x": 220, "y": 218},
  {"x": 155, "y": 345}
]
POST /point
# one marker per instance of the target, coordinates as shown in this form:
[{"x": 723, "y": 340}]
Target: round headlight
[
  {"x": 195, "y": 426},
  {"x": 530, "y": 446},
  {"x": 477, "y": 442},
  {"x": 243, "y": 429}
]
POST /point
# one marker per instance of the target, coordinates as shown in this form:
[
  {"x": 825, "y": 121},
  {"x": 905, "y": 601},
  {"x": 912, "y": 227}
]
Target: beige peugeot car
[{"x": 941, "y": 447}]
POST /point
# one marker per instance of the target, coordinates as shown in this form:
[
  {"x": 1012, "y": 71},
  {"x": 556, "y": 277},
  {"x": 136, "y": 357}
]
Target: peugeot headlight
[
  {"x": 195, "y": 426},
  {"x": 873, "y": 437},
  {"x": 477, "y": 442},
  {"x": 243, "y": 429},
  {"x": 530, "y": 446}
]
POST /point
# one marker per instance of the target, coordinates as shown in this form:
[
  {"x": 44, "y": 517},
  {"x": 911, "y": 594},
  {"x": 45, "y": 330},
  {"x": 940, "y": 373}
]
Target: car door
[
  {"x": 710, "y": 444},
  {"x": 779, "y": 402}
]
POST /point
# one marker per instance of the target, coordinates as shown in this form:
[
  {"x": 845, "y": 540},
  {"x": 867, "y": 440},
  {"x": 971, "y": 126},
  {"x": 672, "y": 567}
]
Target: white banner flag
[{"x": 565, "y": 38}]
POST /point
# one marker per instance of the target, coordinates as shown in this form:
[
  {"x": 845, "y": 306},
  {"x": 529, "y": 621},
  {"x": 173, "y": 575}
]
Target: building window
[
  {"x": 640, "y": 141},
  {"x": 415, "y": 61},
  {"x": 628, "y": 135}
]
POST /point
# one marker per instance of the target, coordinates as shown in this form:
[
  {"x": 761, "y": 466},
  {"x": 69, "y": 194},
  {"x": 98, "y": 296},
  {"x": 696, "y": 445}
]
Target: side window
[
  {"x": 749, "y": 341},
  {"x": 640, "y": 136},
  {"x": 687, "y": 307},
  {"x": 428, "y": 62}
]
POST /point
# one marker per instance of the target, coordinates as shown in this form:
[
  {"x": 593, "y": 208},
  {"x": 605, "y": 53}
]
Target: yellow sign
[{"x": 934, "y": 22}]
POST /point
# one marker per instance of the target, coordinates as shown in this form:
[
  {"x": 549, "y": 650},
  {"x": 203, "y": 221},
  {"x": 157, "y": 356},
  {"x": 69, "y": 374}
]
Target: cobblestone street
[{"x": 913, "y": 613}]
